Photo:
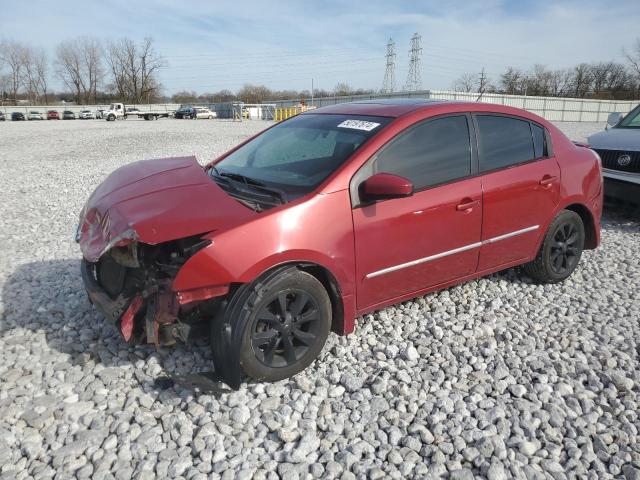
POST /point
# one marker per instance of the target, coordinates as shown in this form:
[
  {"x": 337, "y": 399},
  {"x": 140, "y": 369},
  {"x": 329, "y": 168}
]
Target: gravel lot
[{"x": 496, "y": 378}]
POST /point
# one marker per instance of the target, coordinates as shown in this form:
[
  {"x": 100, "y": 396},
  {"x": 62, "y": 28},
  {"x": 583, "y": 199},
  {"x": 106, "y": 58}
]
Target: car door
[
  {"x": 404, "y": 245},
  {"x": 520, "y": 187}
]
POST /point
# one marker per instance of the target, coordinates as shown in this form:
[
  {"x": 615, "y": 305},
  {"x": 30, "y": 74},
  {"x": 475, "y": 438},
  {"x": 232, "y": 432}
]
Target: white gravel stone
[{"x": 495, "y": 378}]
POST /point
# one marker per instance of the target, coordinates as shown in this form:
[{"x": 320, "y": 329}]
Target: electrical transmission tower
[
  {"x": 389, "y": 84},
  {"x": 414, "y": 78}
]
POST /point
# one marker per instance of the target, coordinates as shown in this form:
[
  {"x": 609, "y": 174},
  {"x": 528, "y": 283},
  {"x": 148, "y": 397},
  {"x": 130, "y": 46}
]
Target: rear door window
[{"x": 503, "y": 141}]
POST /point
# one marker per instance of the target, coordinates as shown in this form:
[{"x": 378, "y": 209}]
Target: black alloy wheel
[
  {"x": 560, "y": 251},
  {"x": 275, "y": 326},
  {"x": 565, "y": 249},
  {"x": 285, "y": 328}
]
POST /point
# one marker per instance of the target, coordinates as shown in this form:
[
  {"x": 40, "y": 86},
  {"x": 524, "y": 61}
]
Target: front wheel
[
  {"x": 561, "y": 249},
  {"x": 284, "y": 320}
]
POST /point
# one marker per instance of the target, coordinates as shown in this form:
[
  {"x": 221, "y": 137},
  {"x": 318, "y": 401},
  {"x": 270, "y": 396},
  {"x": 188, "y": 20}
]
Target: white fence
[{"x": 551, "y": 108}]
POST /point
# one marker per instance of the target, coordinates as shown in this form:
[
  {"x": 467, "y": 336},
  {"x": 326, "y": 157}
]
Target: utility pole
[
  {"x": 414, "y": 78},
  {"x": 389, "y": 84},
  {"x": 483, "y": 84}
]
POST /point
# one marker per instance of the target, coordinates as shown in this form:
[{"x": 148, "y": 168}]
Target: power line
[
  {"x": 389, "y": 83},
  {"x": 414, "y": 77}
]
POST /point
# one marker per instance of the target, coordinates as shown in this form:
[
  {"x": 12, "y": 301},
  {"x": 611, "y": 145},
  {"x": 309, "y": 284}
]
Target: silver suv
[{"x": 619, "y": 148}]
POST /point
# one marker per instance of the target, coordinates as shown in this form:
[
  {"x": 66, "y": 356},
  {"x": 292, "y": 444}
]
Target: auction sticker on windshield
[{"x": 359, "y": 125}]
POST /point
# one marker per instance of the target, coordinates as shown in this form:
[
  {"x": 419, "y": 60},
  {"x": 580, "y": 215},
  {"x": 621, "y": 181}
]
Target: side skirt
[{"x": 440, "y": 286}]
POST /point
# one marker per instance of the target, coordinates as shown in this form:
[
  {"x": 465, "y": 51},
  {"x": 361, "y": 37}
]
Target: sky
[{"x": 212, "y": 45}]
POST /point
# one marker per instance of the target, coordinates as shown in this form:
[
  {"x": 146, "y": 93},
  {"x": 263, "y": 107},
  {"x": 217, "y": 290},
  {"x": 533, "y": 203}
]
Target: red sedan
[
  {"x": 329, "y": 215},
  {"x": 53, "y": 115}
]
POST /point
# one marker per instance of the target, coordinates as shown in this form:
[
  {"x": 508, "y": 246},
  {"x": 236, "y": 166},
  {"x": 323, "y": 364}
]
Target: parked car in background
[
  {"x": 619, "y": 148},
  {"x": 100, "y": 113},
  {"x": 2, "y": 118},
  {"x": 202, "y": 112},
  {"x": 15, "y": 116},
  {"x": 34, "y": 115},
  {"x": 86, "y": 115},
  {"x": 53, "y": 115},
  {"x": 133, "y": 110},
  {"x": 329, "y": 215},
  {"x": 68, "y": 115},
  {"x": 185, "y": 112}
]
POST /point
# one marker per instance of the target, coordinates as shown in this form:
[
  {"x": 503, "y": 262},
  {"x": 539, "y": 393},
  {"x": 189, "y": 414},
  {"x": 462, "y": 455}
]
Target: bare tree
[
  {"x": 581, "y": 80},
  {"x": 13, "y": 55},
  {"x": 69, "y": 67},
  {"x": 633, "y": 58},
  {"x": 254, "y": 93},
  {"x": 511, "y": 81},
  {"x": 342, "y": 88},
  {"x": 465, "y": 83},
  {"x": 35, "y": 69},
  {"x": 41, "y": 69},
  {"x": 134, "y": 70},
  {"x": 91, "y": 51},
  {"x": 79, "y": 66}
]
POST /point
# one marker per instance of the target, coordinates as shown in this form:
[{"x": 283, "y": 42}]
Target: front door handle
[
  {"x": 547, "y": 180},
  {"x": 466, "y": 205}
]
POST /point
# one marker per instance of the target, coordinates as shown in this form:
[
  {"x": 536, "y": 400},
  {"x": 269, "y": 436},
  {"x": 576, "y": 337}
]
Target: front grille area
[
  {"x": 610, "y": 160},
  {"x": 110, "y": 275}
]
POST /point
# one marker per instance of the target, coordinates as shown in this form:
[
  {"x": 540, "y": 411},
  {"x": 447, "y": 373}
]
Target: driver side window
[{"x": 431, "y": 153}]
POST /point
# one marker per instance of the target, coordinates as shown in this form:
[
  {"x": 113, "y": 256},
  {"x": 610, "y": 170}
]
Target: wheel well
[
  {"x": 587, "y": 220},
  {"x": 332, "y": 287},
  {"x": 329, "y": 282}
]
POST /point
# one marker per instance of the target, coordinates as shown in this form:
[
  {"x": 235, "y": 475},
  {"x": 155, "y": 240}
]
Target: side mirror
[
  {"x": 613, "y": 119},
  {"x": 385, "y": 185}
]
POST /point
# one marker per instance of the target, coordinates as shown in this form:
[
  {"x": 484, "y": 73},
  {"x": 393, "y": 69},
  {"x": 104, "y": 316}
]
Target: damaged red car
[{"x": 329, "y": 215}]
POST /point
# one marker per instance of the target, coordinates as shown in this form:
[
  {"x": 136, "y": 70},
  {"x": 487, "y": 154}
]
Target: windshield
[
  {"x": 632, "y": 120},
  {"x": 297, "y": 155}
]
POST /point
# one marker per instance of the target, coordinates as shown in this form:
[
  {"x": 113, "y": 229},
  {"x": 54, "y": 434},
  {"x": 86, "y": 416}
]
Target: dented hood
[{"x": 155, "y": 201}]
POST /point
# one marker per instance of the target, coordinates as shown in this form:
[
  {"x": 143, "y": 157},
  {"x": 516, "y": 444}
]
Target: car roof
[
  {"x": 385, "y": 107},
  {"x": 396, "y": 107}
]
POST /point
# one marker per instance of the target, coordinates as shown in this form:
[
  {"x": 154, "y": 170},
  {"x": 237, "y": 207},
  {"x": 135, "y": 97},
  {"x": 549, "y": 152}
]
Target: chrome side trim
[
  {"x": 451, "y": 252},
  {"x": 423, "y": 260},
  {"x": 509, "y": 235}
]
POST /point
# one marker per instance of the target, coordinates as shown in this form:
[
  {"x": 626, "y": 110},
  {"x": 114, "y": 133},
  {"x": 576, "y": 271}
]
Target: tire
[
  {"x": 275, "y": 346},
  {"x": 111, "y": 118},
  {"x": 560, "y": 251}
]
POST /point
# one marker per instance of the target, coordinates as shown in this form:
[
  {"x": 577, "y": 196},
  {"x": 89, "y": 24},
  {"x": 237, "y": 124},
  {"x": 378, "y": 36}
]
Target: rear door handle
[
  {"x": 547, "y": 180},
  {"x": 466, "y": 204}
]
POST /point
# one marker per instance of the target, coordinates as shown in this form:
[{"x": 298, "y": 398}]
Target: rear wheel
[
  {"x": 285, "y": 320},
  {"x": 560, "y": 251}
]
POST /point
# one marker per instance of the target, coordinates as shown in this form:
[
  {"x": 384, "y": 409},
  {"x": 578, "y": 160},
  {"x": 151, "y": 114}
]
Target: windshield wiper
[
  {"x": 255, "y": 184},
  {"x": 250, "y": 183}
]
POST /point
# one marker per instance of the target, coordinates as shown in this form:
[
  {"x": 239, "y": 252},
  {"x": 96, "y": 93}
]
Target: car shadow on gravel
[{"x": 47, "y": 298}]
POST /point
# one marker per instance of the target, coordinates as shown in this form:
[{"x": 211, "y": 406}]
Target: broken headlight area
[{"x": 131, "y": 286}]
